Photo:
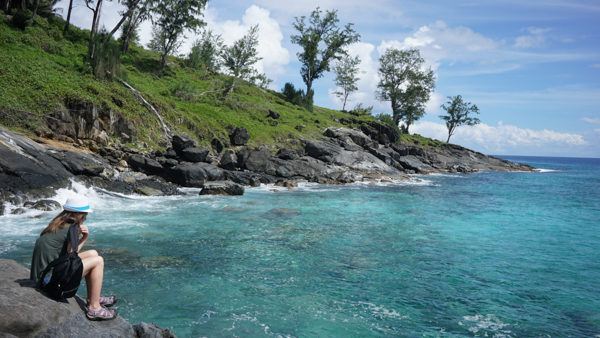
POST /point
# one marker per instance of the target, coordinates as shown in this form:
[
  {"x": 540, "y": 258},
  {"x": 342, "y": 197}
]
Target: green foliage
[
  {"x": 239, "y": 60},
  {"x": 346, "y": 77},
  {"x": 21, "y": 19},
  {"x": 322, "y": 42},
  {"x": 360, "y": 110},
  {"x": 404, "y": 83},
  {"x": 206, "y": 52},
  {"x": 184, "y": 90},
  {"x": 459, "y": 112},
  {"x": 419, "y": 140},
  {"x": 293, "y": 95},
  {"x": 106, "y": 63},
  {"x": 171, "y": 19},
  {"x": 34, "y": 83}
]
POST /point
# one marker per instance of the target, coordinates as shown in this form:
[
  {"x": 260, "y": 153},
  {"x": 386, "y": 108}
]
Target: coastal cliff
[{"x": 25, "y": 312}]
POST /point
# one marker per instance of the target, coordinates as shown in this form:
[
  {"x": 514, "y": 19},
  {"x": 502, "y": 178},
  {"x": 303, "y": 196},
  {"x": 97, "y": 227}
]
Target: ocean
[{"x": 490, "y": 254}]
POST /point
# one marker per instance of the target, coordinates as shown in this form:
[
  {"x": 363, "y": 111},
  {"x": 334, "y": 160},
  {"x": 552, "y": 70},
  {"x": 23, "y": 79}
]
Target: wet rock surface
[{"x": 222, "y": 188}]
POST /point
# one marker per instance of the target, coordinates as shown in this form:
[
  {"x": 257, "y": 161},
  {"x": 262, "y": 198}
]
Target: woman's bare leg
[
  {"x": 88, "y": 253},
  {"x": 93, "y": 270}
]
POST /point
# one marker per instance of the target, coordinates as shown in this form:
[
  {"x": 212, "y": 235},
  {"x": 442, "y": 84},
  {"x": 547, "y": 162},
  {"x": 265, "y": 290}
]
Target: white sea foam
[
  {"x": 542, "y": 170},
  {"x": 488, "y": 325}
]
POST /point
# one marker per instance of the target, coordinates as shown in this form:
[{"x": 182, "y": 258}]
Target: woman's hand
[{"x": 85, "y": 232}]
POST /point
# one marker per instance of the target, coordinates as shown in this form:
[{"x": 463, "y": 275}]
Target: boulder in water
[{"x": 222, "y": 188}]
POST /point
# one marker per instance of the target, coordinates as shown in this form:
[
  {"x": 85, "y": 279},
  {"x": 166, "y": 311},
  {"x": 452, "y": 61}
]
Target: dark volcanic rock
[
  {"x": 273, "y": 114},
  {"x": 45, "y": 205},
  {"x": 222, "y": 188},
  {"x": 193, "y": 174},
  {"x": 228, "y": 160},
  {"x": 81, "y": 163},
  {"x": 181, "y": 142},
  {"x": 145, "y": 165},
  {"x": 26, "y": 166},
  {"x": 287, "y": 154},
  {"x": 145, "y": 330},
  {"x": 25, "y": 312},
  {"x": 248, "y": 178},
  {"x": 217, "y": 145},
  {"x": 239, "y": 136},
  {"x": 194, "y": 154}
]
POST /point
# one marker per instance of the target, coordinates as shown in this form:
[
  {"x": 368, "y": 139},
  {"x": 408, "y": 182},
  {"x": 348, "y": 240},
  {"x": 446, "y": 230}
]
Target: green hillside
[{"x": 41, "y": 69}]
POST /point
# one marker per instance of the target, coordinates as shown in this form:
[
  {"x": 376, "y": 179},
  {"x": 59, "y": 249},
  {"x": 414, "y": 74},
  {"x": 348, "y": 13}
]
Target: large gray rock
[
  {"x": 193, "y": 154},
  {"x": 239, "y": 136},
  {"x": 193, "y": 174},
  {"x": 228, "y": 160},
  {"x": 222, "y": 188},
  {"x": 26, "y": 166},
  {"x": 181, "y": 142},
  {"x": 81, "y": 163},
  {"x": 145, "y": 164},
  {"x": 25, "y": 312}
]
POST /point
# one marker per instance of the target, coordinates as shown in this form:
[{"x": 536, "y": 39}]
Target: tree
[
  {"x": 96, "y": 7},
  {"x": 239, "y": 60},
  {"x": 68, "y": 21},
  {"x": 137, "y": 12},
  {"x": 206, "y": 52},
  {"x": 322, "y": 42},
  {"x": 292, "y": 95},
  {"x": 405, "y": 83},
  {"x": 346, "y": 77},
  {"x": 458, "y": 113},
  {"x": 173, "y": 18}
]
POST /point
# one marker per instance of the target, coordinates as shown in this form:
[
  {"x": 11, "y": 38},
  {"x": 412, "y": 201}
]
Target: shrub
[
  {"x": 184, "y": 90},
  {"x": 293, "y": 95},
  {"x": 360, "y": 110},
  {"x": 21, "y": 19}
]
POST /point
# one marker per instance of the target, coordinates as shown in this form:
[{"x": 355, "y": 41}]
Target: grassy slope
[{"x": 40, "y": 69}]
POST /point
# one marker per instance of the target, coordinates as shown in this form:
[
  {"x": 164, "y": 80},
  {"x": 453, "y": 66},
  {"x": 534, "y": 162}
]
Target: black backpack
[{"x": 66, "y": 270}]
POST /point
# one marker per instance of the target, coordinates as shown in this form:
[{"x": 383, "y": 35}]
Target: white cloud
[
  {"x": 591, "y": 120},
  {"x": 502, "y": 138},
  {"x": 270, "y": 37},
  {"x": 438, "y": 42},
  {"x": 535, "y": 37}
]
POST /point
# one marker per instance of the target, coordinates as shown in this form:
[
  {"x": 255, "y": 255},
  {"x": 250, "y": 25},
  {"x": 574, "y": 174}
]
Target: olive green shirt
[{"x": 47, "y": 248}]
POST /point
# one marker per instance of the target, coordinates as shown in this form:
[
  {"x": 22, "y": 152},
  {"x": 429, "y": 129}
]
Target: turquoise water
[{"x": 488, "y": 254}]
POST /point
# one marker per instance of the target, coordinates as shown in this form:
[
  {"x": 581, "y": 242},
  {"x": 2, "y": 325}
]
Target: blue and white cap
[{"x": 78, "y": 204}]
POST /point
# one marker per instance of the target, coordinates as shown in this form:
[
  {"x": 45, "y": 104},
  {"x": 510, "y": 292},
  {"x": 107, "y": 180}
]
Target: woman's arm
[{"x": 85, "y": 232}]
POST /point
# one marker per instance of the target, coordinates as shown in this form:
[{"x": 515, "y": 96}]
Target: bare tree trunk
[
  {"x": 94, "y": 30},
  {"x": 345, "y": 99},
  {"x": 448, "y": 139},
  {"x": 68, "y": 22},
  {"x": 35, "y": 9}
]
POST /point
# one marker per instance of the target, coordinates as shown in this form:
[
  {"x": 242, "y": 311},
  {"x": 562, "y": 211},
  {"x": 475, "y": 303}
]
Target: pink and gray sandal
[
  {"x": 101, "y": 313},
  {"x": 108, "y": 301}
]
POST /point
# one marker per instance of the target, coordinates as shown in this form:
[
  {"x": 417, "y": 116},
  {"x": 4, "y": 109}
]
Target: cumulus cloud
[
  {"x": 501, "y": 138},
  {"x": 439, "y": 41},
  {"x": 535, "y": 37},
  {"x": 270, "y": 37}
]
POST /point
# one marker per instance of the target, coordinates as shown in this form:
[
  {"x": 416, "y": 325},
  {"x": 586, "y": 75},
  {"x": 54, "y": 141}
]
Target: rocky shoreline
[{"x": 32, "y": 169}]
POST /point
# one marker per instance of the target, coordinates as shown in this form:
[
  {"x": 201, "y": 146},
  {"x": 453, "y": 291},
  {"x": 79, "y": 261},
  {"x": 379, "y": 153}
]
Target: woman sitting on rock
[{"x": 50, "y": 244}]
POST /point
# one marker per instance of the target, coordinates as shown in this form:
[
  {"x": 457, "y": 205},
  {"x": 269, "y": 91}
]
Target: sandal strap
[
  {"x": 102, "y": 312},
  {"x": 107, "y": 300}
]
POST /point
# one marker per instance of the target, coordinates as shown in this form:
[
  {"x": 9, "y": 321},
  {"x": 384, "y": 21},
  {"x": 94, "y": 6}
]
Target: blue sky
[{"x": 533, "y": 67}]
